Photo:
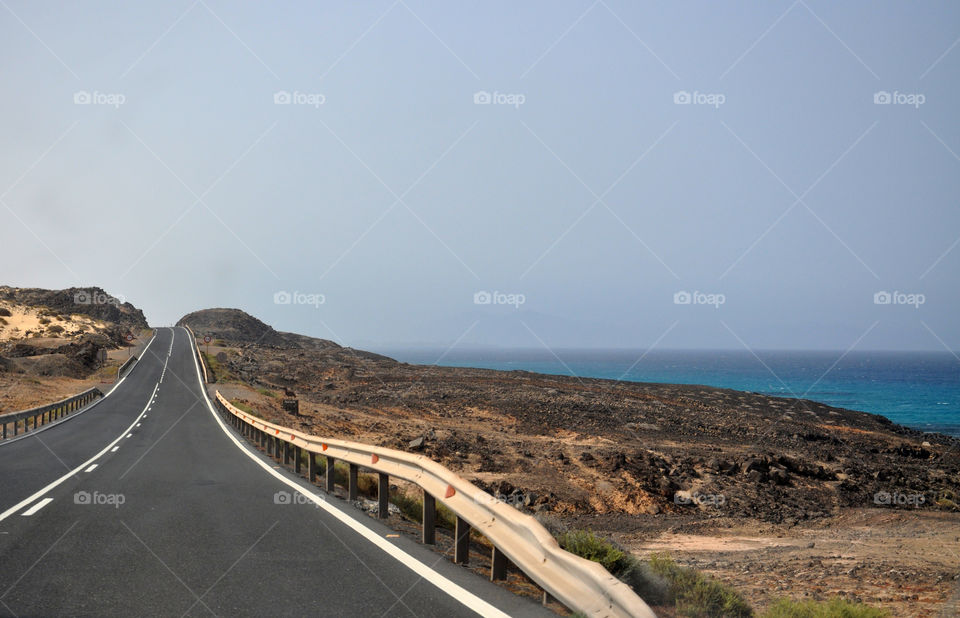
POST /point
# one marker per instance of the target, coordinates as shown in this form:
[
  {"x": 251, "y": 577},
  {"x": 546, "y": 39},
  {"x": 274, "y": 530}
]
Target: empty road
[{"x": 147, "y": 504}]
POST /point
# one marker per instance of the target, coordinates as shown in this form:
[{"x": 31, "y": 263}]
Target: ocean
[{"x": 916, "y": 389}]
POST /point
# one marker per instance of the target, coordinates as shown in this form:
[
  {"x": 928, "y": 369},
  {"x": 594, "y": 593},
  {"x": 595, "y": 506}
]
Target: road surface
[{"x": 147, "y": 504}]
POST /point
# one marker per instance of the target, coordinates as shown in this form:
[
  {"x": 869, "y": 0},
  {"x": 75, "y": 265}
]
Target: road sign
[
  {"x": 129, "y": 337},
  {"x": 207, "y": 338}
]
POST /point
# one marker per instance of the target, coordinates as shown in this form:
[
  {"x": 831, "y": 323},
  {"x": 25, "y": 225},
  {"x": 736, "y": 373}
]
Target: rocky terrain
[
  {"x": 63, "y": 336},
  {"x": 640, "y": 462}
]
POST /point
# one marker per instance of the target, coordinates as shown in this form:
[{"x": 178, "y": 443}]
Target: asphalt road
[{"x": 147, "y": 504}]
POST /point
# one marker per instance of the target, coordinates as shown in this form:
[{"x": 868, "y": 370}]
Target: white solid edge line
[
  {"x": 16, "y": 507},
  {"x": 79, "y": 412},
  {"x": 36, "y": 507},
  {"x": 454, "y": 590},
  {"x": 91, "y": 468}
]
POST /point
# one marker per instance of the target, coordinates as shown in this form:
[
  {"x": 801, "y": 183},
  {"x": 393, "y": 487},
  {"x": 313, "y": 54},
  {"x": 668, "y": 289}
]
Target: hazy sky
[{"x": 788, "y": 161}]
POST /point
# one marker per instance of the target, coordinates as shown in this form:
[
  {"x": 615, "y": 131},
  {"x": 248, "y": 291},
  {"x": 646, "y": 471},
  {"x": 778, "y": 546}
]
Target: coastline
[{"x": 898, "y": 401}]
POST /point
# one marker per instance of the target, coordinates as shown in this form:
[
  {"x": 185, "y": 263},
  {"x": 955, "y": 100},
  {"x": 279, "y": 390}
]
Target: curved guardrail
[
  {"x": 42, "y": 415},
  {"x": 580, "y": 584}
]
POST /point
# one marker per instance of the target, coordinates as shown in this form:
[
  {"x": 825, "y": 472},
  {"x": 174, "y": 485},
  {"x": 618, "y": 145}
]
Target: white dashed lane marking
[
  {"x": 91, "y": 468},
  {"x": 36, "y": 507}
]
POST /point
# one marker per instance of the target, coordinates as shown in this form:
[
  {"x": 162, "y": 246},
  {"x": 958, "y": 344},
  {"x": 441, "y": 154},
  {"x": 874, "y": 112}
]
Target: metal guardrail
[
  {"x": 580, "y": 584},
  {"x": 48, "y": 413},
  {"x": 127, "y": 364}
]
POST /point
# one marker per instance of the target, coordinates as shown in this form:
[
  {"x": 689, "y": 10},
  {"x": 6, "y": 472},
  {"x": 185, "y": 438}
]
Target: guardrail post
[
  {"x": 312, "y": 467},
  {"x": 286, "y": 453},
  {"x": 331, "y": 480},
  {"x": 429, "y": 519},
  {"x": 383, "y": 495},
  {"x": 352, "y": 483},
  {"x": 297, "y": 455},
  {"x": 461, "y": 546},
  {"x": 498, "y": 565}
]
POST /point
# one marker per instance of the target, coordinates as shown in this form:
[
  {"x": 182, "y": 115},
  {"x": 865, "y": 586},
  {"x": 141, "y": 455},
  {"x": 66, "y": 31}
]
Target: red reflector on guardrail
[
  {"x": 374, "y": 459},
  {"x": 292, "y": 437},
  {"x": 450, "y": 492},
  {"x": 277, "y": 432},
  {"x": 323, "y": 446}
]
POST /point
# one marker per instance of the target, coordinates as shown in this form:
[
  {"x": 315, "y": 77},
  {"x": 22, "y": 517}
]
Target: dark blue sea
[{"x": 917, "y": 389}]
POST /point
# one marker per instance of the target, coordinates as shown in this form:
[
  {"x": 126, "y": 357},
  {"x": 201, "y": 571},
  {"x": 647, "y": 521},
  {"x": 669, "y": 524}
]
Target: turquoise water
[{"x": 917, "y": 389}]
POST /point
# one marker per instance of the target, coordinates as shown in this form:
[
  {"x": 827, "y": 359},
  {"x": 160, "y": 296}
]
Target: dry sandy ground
[
  {"x": 24, "y": 319},
  {"x": 906, "y": 562},
  {"x": 20, "y": 391}
]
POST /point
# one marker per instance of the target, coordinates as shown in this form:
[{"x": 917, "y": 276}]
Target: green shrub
[
  {"x": 588, "y": 545},
  {"x": 44, "y": 321},
  {"x": 56, "y": 329},
  {"x": 267, "y": 392},
  {"x": 696, "y": 595},
  {"x": 834, "y": 608},
  {"x": 368, "y": 485},
  {"x": 410, "y": 507},
  {"x": 639, "y": 575},
  {"x": 236, "y": 403}
]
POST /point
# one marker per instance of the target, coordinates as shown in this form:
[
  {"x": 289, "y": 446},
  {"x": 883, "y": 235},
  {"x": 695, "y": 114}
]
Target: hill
[{"x": 62, "y": 332}]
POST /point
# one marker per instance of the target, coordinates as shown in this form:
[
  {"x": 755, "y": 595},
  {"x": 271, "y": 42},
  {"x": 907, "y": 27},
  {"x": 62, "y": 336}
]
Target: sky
[{"x": 587, "y": 174}]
